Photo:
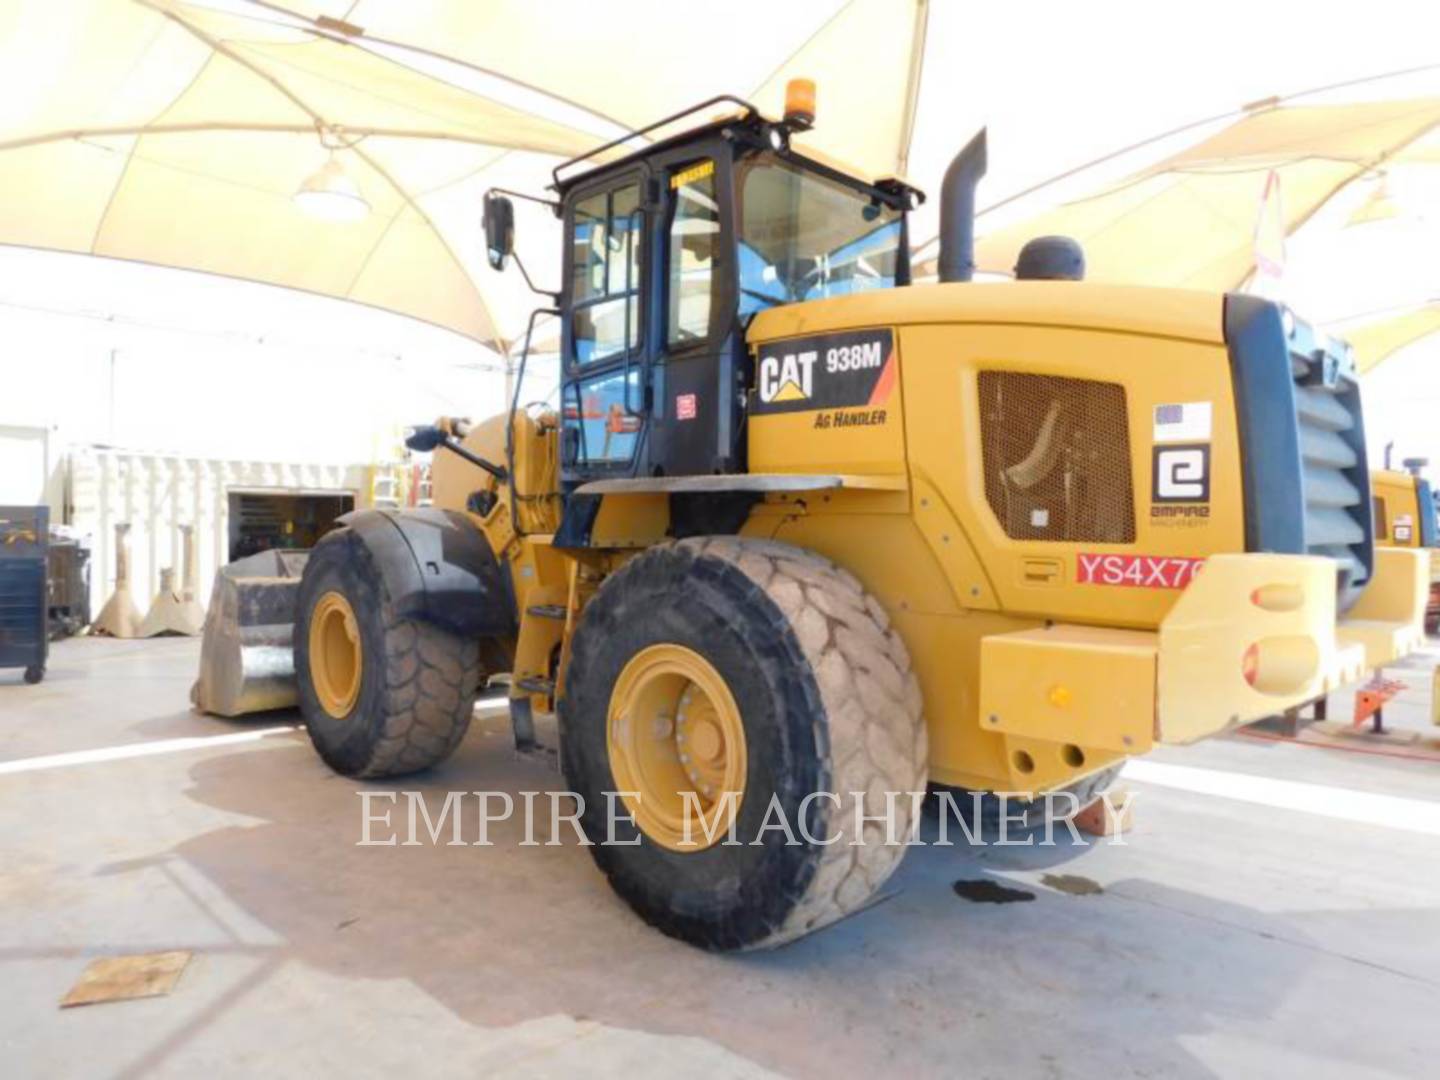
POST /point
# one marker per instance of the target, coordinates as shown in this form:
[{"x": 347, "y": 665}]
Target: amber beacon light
[{"x": 800, "y": 104}]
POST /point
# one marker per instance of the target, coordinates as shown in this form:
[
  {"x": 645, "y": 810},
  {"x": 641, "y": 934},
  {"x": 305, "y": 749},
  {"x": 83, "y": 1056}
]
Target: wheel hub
[
  {"x": 336, "y": 658},
  {"x": 677, "y": 747}
]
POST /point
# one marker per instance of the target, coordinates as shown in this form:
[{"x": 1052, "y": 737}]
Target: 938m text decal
[{"x": 847, "y": 370}]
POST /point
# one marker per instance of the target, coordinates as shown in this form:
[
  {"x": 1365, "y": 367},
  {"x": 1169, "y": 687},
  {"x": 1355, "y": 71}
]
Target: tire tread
[
  {"x": 430, "y": 680},
  {"x": 871, "y": 719}
]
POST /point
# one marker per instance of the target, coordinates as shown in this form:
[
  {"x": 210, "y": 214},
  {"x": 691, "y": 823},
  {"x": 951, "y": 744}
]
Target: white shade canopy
[{"x": 178, "y": 133}]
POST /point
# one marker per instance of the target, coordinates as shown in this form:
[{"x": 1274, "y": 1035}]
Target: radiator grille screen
[{"x": 1056, "y": 453}]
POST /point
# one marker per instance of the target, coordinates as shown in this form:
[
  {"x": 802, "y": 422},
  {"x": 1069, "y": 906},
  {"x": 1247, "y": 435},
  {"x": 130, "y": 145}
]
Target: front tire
[
  {"x": 821, "y": 703},
  {"x": 382, "y": 695}
]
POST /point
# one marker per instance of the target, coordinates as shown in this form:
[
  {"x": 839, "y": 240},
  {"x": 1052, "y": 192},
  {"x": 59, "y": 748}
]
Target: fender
[
  {"x": 439, "y": 568},
  {"x": 696, "y": 505}
]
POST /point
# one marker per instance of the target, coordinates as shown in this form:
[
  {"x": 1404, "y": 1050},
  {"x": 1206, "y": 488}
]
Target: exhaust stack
[{"x": 957, "y": 211}]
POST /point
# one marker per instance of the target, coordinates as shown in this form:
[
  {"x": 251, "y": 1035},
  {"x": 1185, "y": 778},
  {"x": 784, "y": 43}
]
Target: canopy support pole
[{"x": 912, "y": 87}]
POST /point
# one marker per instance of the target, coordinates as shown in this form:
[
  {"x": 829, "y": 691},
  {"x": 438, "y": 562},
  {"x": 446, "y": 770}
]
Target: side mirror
[
  {"x": 425, "y": 438},
  {"x": 499, "y": 229}
]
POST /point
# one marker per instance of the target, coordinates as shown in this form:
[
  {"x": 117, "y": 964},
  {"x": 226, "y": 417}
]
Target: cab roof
[{"x": 739, "y": 112}]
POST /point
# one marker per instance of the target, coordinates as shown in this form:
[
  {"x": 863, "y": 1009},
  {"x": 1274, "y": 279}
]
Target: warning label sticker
[
  {"x": 1186, "y": 421},
  {"x": 1136, "y": 571}
]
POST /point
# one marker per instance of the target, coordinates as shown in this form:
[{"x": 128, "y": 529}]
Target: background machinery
[
  {"x": 1404, "y": 508},
  {"x": 799, "y": 532}
]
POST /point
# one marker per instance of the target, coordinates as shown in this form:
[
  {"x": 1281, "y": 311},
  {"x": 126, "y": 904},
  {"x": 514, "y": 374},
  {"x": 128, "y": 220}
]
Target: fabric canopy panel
[
  {"x": 177, "y": 133},
  {"x": 637, "y": 61},
  {"x": 173, "y": 134},
  {"x": 1191, "y": 220},
  {"x": 1375, "y": 342}
]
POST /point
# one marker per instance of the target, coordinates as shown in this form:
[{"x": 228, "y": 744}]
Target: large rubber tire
[
  {"x": 828, "y": 703},
  {"x": 418, "y": 682}
]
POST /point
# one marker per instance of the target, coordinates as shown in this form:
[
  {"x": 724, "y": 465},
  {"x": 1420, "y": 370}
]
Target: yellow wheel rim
[
  {"x": 676, "y": 741},
  {"x": 336, "y": 658}
]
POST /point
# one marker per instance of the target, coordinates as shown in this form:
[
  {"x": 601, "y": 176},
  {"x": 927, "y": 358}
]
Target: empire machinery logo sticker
[
  {"x": 1180, "y": 464},
  {"x": 1179, "y": 496},
  {"x": 846, "y": 379},
  {"x": 1182, "y": 474}
]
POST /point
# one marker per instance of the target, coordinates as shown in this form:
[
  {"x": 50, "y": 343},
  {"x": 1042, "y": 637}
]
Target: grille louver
[
  {"x": 1297, "y": 400},
  {"x": 1333, "y": 477}
]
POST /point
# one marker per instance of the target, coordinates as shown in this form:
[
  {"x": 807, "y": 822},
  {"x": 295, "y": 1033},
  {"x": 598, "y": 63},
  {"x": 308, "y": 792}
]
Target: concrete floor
[{"x": 1231, "y": 938}]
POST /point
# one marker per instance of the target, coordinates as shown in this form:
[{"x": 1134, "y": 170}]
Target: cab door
[
  {"x": 603, "y": 339},
  {"x": 699, "y": 376}
]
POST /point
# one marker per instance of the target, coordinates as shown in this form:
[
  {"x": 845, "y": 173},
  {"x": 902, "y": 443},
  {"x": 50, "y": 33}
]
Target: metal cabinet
[{"x": 24, "y": 640}]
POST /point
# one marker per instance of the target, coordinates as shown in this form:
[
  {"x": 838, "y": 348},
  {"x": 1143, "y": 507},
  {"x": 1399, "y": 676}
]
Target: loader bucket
[{"x": 246, "y": 662}]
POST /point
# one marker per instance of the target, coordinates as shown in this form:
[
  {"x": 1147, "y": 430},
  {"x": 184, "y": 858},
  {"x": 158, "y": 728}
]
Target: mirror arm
[
  {"x": 497, "y": 471},
  {"x": 554, "y": 206},
  {"x": 554, "y": 296},
  {"x": 427, "y": 438}
]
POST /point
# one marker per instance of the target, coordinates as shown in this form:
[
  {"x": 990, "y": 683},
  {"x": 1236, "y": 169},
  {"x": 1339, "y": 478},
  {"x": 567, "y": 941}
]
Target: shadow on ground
[{"x": 920, "y": 982}]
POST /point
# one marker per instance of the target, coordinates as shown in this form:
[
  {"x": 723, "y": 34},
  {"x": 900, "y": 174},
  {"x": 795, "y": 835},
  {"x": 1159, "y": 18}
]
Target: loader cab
[
  {"x": 1403, "y": 507},
  {"x": 669, "y": 252}
]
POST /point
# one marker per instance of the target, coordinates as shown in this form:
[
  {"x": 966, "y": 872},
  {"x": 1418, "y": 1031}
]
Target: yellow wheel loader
[
  {"x": 799, "y": 536},
  {"x": 1404, "y": 511}
]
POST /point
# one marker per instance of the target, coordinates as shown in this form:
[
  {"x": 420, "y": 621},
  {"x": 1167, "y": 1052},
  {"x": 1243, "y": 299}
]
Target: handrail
[
  {"x": 638, "y": 346},
  {"x": 514, "y": 407},
  {"x": 718, "y": 100}
]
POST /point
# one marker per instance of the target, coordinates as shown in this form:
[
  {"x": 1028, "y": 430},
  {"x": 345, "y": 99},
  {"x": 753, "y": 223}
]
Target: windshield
[{"x": 804, "y": 237}]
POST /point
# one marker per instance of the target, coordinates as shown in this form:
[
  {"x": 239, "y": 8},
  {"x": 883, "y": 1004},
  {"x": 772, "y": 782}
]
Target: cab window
[
  {"x": 597, "y": 407},
  {"x": 694, "y": 242},
  {"x": 605, "y": 275},
  {"x": 804, "y": 236}
]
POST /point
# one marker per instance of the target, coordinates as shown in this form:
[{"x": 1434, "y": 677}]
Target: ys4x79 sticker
[
  {"x": 855, "y": 369},
  {"x": 1136, "y": 571}
]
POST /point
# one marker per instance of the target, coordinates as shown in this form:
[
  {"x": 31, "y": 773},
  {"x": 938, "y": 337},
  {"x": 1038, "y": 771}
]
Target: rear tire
[
  {"x": 828, "y": 704},
  {"x": 416, "y": 683}
]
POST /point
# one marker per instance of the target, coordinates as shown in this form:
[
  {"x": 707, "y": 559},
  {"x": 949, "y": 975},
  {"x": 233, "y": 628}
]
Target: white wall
[
  {"x": 28, "y": 476},
  {"x": 171, "y": 362},
  {"x": 156, "y": 494},
  {"x": 166, "y": 390}
]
